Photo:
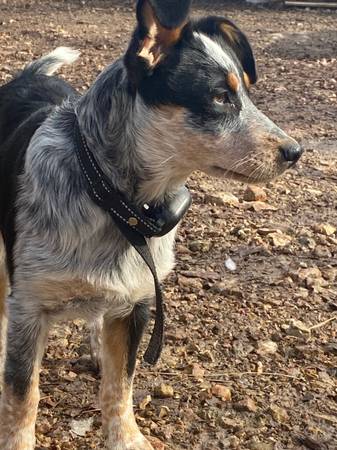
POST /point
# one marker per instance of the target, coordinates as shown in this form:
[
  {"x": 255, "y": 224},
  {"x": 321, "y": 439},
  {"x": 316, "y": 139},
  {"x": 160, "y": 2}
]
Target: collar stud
[{"x": 132, "y": 221}]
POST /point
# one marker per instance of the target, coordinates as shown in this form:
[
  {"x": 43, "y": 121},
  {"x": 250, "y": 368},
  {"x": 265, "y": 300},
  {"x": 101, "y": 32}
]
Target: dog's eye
[{"x": 222, "y": 98}]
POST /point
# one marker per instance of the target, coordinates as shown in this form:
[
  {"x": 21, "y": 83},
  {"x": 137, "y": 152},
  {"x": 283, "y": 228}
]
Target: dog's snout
[{"x": 291, "y": 151}]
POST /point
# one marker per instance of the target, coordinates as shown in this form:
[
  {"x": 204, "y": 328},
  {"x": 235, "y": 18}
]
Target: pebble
[
  {"x": 164, "y": 411},
  {"x": 246, "y": 404},
  {"x": 230, "y": 264},
  {"x": 326, "y": 229},
  {"x": 279, "y": 414},
  {"x": 267, "y": 347},
  {"x": 221, "y": 199},
  {"x": 163, "y": 391},
  {"x": 187, "y": 282},
  {"x": 197, "y": 371},
  {"x": 199, "y": 246},
  {"x": 222, "y": 392},
  {"x": 254, "y": 194},
  {"x": 234, "y": 424},
  {"x": 146, "y": 401},
  {"x": 297, "y": 328},
  {"x": 311, "y": 277},
  {"x": 279, "y": 239}
]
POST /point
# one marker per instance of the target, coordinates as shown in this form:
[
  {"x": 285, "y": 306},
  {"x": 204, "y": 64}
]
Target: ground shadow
[{"x": 306, "y": 45}]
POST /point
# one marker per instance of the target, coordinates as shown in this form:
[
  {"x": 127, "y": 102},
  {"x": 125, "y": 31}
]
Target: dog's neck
[{"x": 136, "y": 146}]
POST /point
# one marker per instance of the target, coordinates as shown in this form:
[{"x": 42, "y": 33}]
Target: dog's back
[
  {"x": 32, "y": 89},
  {"x": 25, "y": 103}
]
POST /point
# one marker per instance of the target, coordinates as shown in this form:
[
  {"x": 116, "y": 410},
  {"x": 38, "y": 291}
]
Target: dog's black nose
[{"x": 291, "y": 151}]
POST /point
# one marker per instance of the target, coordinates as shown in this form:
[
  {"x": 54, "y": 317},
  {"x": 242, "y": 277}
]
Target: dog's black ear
[
  {"x": 233, "y": 36},
  {"x": 160, "y": 25}
]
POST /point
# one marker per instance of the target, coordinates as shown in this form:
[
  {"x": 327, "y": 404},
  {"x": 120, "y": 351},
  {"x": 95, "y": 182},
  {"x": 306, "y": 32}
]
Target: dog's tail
[{"x": 49, "y": 64}]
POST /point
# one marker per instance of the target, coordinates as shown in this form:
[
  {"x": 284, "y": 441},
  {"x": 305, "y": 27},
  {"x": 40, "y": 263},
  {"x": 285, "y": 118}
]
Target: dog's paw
[
  {"x": 139, "y": 442},
  {"x": 20, "y": 441}
]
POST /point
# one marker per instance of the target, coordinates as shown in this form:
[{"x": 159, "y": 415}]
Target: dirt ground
[{"x": 251, "y": 350}]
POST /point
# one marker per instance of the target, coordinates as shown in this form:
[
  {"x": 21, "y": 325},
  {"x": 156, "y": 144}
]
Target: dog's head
[{"x": 195, "y": 77}]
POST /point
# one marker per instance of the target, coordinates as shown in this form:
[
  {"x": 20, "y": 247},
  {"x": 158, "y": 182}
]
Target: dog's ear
[
  {"x": 233, "y": 36},
  {"x": 160, "y": 25}
]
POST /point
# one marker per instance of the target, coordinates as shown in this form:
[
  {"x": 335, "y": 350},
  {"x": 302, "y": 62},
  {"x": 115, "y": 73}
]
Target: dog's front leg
[
  {"x": 20, "y": 396},
  {"x": 120, "y": 342}
]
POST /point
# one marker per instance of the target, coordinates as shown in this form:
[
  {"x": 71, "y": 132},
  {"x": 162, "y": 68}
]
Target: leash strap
[
  {"x": 130, "y": 223},
  {"x": 155, "y": 345}
]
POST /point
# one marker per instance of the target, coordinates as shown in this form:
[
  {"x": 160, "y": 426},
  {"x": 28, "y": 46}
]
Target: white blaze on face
[{"x": 217, "y": 53}]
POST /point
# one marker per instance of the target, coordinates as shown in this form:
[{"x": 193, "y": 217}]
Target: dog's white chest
[{"x": 135, "y": 279}]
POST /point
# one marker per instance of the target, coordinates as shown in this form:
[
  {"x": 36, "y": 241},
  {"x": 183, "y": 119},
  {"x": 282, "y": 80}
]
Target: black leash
[{"x": 134, "y": 224}]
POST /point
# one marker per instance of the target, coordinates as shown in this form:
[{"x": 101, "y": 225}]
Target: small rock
[
  {"x": 230, "y": 264},
  {"x": 312, "y": 278},
  {"x": 259, "y": 367},
  {"x": 164, "y": 411},
  {"x": 260, "y": 206},
  {"x": 297, "y": 328},
  {"x": 81, "y": 427},
  {"x": 199, "y": 246},
  {"x": 192, "y": 283},
  {"x": 233, "y": 424},
  {"x": 279, "y": 414},
  {"x": 222, "y": 392},
  {"x": 254, "y": 194},
  {"x": 326, "y": 229},
  {"x": 146, "y": 401},
  {"x": 267, "y": 347},
  {"x": 221, "y": 199},
  {"x": 246, "y": 404},
  {"x": 71, "y": 375},
  {"x": 197, "y": 371},
  {"x": 229, "y": 287},
  {"x": 310, "y": 272},
  {"x": 163, "y": 391},
  {"x": 279, "y": 239}
]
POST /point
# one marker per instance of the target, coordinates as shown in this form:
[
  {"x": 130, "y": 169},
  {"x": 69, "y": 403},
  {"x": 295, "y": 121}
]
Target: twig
[
  {"x": 321, "y": 324},
  {"x": 223, "y": 374},
  {"x": 87, "y": 411}
]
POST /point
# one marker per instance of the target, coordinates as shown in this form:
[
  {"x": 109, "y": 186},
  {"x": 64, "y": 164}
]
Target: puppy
[{"x": 176, "y": 102}]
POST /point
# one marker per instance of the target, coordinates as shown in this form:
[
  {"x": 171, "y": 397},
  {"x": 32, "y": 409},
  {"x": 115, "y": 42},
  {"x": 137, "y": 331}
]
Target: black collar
[{"x": 134, "y": 223}]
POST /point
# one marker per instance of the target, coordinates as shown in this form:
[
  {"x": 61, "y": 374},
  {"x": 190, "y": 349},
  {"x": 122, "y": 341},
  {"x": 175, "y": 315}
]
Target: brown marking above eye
[
  {"x": 233, "y": 82},
  {"x": 246, "y": 80}
]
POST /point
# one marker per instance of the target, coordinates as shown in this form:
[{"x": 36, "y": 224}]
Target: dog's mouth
[
  {"x": 256, "y": 176},
  {"x": 220, "y": 172}
]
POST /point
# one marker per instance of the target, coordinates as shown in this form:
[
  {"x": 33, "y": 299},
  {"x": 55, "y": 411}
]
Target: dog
[{"x": 176, "y": 102}]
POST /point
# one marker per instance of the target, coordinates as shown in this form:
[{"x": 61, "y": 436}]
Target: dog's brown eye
[{"x": 222, "y": 98}]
